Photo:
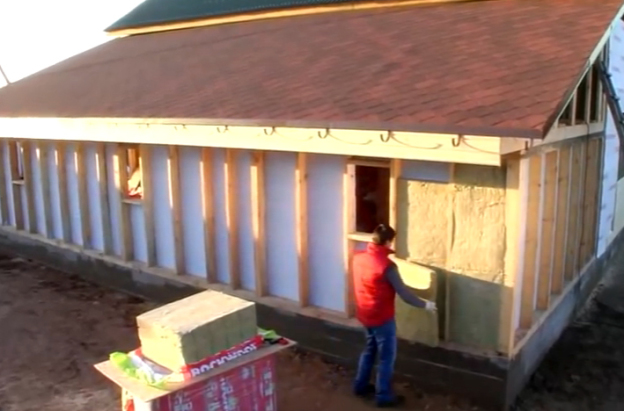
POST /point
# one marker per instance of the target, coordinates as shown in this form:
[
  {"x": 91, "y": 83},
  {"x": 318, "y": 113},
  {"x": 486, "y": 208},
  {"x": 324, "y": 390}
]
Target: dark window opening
[
  {"x": 372, "y": 197},
  {"x": 566, "y": 118},
  {"x": 596, "y": 95},
  {"x": 581, "y": 101}
]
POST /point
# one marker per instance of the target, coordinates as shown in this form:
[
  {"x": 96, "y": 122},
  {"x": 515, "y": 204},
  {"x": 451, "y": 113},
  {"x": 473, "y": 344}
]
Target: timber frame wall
[{"x": 560, "y": 188}]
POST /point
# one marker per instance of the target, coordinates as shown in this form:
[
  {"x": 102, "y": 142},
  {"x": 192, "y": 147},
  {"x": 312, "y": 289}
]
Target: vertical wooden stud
[
  {"x": 43, "y": 151},
  {"x": 16, "y": 183},
  {"x": 561, "y": 220},
  {"x": 120, "y": 173},
  {"x": 173, "y": 167},
  {"x": 572, "y": 109},
  {"x": 513, "y": 217},
  {"x": 395, "y": 174},
  {"x": 580, "y": 202},
  {"x": 348, "y": 198},
  {"x": 4, "y": 202},
  {"x": 590, "y": 202},
  {"x": 80, "y": 161},
  {"x": 145, "y": 167},
  {"x": 547, "y": 231},
  {"x": 258, "y": 221},
  {"x": 29, "y": 186},
  {"x": 531, "y": 241},
  {"x": 574, "y": 210},
  {"x": 102, "y": 177},
  {"x": 301, "y": 204},
  {"x": 231, "y": 184},
  {"x": 208, "y": 213}
]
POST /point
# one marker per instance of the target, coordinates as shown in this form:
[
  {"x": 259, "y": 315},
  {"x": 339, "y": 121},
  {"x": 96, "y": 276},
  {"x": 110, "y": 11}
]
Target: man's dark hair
[{"x": 383, "y": 234}]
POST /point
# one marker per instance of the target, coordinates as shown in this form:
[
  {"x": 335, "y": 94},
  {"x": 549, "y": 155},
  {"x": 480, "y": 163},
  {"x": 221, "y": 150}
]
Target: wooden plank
[
  {"x": 597, "y": 196},
  {"x": 29, "y": 186},
  {"x": 43, "y": 151},
  {"x": 4, "y": 200},
  {"x": 534, "y": 188},
  {"x": 301, "y": 204},
  {"x": 175, "y": 202},
  {"x": 547, "y": 229},
  {"x": 80, "y": 161},
  {"x": 578, "y": 263},
  {"x": 120, "y": 175},
  {"x": 348, "y": 198},
  {"x": 574, "y": 210},
  {"x": 513, "y": 210},
  {"x": 61, "y": 167},
  {"x": 395, "y": 174},
  {"x": 208, "y": 213},
  {"x": 590, "y": 202},
  {"x": 16, "y": 179},
  {"x": 231, "y": 210},
  {"x": 102, "y": 176},
  {"x": 561, "y": 220},
  {"x": 258, "y": 220},
  {"x": 145, "y": 167}
]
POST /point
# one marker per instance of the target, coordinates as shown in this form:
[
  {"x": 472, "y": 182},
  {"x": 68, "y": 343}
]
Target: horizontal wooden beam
[{"x": 467, "y": 149}]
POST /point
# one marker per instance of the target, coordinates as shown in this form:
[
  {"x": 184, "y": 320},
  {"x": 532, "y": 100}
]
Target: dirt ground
[{"x": 55, "y": 326}]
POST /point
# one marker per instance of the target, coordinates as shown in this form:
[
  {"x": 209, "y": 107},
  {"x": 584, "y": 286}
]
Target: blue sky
[{"x": 35, "y": 34}]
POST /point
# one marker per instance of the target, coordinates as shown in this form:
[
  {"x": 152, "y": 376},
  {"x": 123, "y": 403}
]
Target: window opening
[
  {"x": 595, "y": 95},
  {"x": 134, "y": 187},
  {"x": 372, "y": 202},
  {"x": 581, "y": 102}
]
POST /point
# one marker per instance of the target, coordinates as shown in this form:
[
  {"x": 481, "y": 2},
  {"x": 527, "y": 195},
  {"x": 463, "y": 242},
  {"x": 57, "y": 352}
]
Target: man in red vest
[{"x": 376, "y": 281}]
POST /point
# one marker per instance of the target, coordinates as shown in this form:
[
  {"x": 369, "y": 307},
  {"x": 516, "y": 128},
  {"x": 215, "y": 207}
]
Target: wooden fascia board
[
  {"x": 552, "y": 122},
  {"x": 272, "y": 14},
  {"x": 468, "y": 149}
]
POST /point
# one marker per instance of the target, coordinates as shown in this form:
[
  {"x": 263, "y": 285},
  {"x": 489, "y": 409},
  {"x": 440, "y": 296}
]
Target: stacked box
[{"x": 191, "y": 329}]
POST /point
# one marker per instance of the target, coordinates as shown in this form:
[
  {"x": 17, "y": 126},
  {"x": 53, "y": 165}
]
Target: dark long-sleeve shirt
[{"x": 394, "y": 278}]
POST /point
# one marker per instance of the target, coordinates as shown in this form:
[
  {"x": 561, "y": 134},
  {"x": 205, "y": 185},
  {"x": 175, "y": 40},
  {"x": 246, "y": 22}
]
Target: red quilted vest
[{"x": 374, "y": 295}]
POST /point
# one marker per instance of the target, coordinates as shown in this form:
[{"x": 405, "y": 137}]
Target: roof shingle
[{"x": 498, "y": 67}]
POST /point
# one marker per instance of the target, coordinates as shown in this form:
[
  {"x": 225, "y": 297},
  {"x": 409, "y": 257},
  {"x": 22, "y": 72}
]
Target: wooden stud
[
  {"x": 513, "y": 218},
  {"x": 43, "y": 151},
  {"x": 301, "y": 204},
  {"x": 348, "y": 198},
  {"x": 120, "y": 173},
  {"x": 175, "y": 202},
  {"x": 572, "y": 109},
  {"x": 590, "y": 200},
  {"x": 561, "y": 220},
  {"x": 531, "y": 242},
  {"x": 208, "y": 214},
  {"x": 4, "y": 192},
  {"x": 547, "y": 229},
  {"x": 145, "y": 167},
  {"x": 258, "y": 219},
  {"x": 102, "y": 177},
  {"x": 231, "y": 184},
  {"x": 593, "y": 240},
  {"x": 395, "y": 174},
  {"x": 16, "y": 184},
  {"x": 573, "y": 211},
  {"x": 80, "y": 161},
  {"x": 29, "y": 186},
  {"x": 579, "y": 204}
]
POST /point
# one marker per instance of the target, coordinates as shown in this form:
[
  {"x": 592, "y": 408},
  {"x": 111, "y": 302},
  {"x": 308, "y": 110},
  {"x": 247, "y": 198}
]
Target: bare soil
[{"x": 55, "y": 327}]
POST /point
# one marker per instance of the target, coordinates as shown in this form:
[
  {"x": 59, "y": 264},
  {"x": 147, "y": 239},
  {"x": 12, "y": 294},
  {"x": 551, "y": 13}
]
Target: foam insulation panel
[{"x": 195, "y": 327}]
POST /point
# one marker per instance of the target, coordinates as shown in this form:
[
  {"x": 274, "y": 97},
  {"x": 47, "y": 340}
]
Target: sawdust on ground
[{"x": 55, "y": 327}]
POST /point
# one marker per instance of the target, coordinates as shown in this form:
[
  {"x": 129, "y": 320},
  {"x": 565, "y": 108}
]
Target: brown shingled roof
[{"x": 498, "y": 67}]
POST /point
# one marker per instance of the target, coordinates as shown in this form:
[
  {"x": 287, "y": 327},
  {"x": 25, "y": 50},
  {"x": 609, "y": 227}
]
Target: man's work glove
[{"x": 430, "y": 306}]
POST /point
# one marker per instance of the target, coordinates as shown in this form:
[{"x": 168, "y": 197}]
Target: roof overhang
[{"x": 441, "y": 147}]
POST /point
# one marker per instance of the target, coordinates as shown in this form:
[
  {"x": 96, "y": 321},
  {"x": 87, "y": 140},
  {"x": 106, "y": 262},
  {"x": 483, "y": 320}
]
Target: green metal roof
[{"x": 152, "y": 12}]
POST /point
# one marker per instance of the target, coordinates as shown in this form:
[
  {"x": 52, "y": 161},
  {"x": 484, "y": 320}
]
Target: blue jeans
[{"x": 379, "y": 340}]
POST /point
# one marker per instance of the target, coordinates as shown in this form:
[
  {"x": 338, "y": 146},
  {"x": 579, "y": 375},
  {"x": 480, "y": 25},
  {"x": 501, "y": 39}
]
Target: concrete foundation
[{"x": 489, "y": 380}]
